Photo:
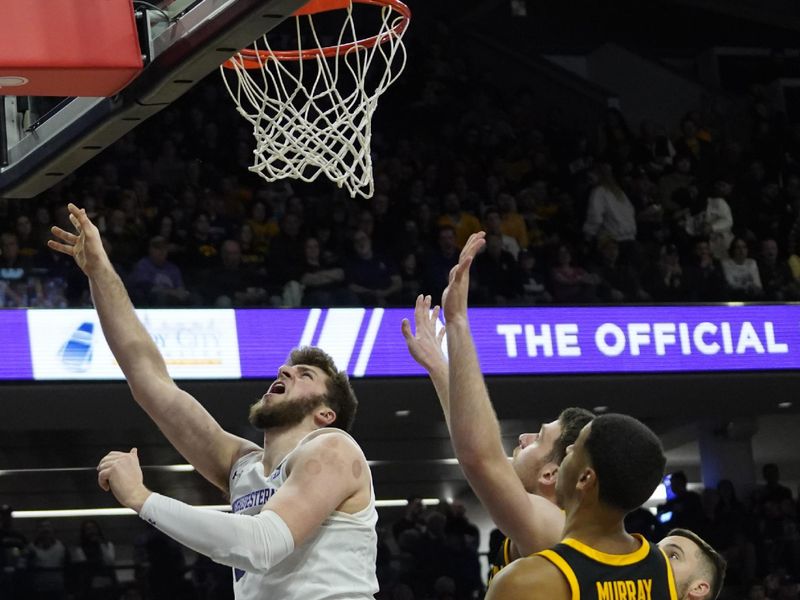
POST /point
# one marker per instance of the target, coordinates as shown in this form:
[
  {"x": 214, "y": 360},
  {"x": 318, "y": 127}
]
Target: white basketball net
[{"x": 303, "y": 125}]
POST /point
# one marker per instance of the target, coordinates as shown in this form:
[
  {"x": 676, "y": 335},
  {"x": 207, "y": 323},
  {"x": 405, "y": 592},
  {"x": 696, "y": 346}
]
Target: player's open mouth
[{"x": 277, "y": 387}]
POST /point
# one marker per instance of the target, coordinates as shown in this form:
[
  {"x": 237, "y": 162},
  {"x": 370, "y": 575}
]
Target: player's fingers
[
  {"x": 106, "y": 463},
  {"x": 474, "y": 247},
  {"x": 405, "y": 327},
  {"x": 419, "y": 307},
  {"x": 452, "y": 274},
  {"x": 440, "y": 335},
  {"x": 462, "y": 268},
  {"x": 59, "y": 247},
  {"x": 63, "y": 235},
  {"x": 427, "y": 304},
  {"x": 435, "y": 314},
  {"x": 75, "y": 222},
  {"x": 84, "y": 222},
  {"x": 102, "y": 479}
]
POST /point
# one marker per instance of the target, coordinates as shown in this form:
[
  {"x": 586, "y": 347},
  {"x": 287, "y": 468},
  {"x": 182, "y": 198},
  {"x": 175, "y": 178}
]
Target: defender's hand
[
  {"x": 454, "y": 298},
  {"x": 425, "y": 345}
]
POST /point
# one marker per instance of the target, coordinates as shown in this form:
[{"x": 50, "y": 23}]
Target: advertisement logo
[
  {"x": 76, "y": 353},
  {"x": 195, "y": 344}
]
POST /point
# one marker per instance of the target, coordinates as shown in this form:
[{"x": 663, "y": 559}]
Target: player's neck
[
  {"x": 601, "y": 528},
  {"x": 279, "y": 441}
]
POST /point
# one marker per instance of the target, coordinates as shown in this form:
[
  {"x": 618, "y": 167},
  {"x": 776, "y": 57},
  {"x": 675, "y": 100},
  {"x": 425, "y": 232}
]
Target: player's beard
[{"x": 283, "y": 414}]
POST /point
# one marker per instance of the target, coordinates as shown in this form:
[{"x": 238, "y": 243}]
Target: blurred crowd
[
  {"x": 613, "y": 213},
  {"x": 759, "y": 534}
]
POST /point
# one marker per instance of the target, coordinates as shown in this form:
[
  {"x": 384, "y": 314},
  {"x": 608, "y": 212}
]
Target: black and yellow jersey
[
  {"x": 645, "y": 574},
  {"x": 502, "y": 560}
]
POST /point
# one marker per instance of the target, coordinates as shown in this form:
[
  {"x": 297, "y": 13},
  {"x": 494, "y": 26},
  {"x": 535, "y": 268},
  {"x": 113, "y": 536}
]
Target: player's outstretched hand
[
  {"x": 454, "y": 298},
  {"x": 425, "y": 345},
  {"x": 85, "y": 245},
  {"x": 120, "y": 472}
]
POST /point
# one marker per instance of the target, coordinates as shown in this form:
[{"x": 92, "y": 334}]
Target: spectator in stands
[
  {"x": 610, "y": 212},
  {"x": 684, "y": 510},
  {"x": 30, "y": 247},
  {"x": 666, "y": 282},
  {"x": 286, "y": 251},
  {"x": 155, "y": 280},
  {"x": 741, "y": 273},
  {"x": 410, "y": 276},
  {"x": 166, "y": 568},
  {"x": 49, "y": 560},
  {"x": 95, "y": 557},
  {"x": 705, "y": 280},
  {"x": 571, "y": 284},
  {"x": 730, "y": 534},
  {"x": 385, "y": 222},
  {"x": 772, "y": 490},
  {"x": 695, "y": 142},
  {"x": 653, "y": 150},
  {"x": 253, "y": 257},
  {"x": 775, "y": 275},
  {"x": 534, "y": 290},
  {"x": 493, "y": 225},
  {"x": 462, "y": 222},
  {"x": 614, "y": 139},
  {"x": 513, "y": 223},
  {"x": 618, "y": 283},
  {"x": 678, "y": 179},
  {"x": 439, "y": 262},
  {"x": 323, "y": 281},
  {"x": 714, "y": 222},
  {"x": 125, "y": 237},
  {"x": 14, "y": 272},
  {"x": 497, "y": 278},
  {"x": 264, "y": 228},
  {"x": 230, "y": 283},
  {"x": 12, "y": 557},
  {"x": 770, "y": 214},
  {"x": 373, "y": 279}
]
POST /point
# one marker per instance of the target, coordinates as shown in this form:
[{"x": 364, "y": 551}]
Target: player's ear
[
  {"x": 587, "y": 479},
  {"x": 548, "y": 474},
  {"x": 699, "y": 589},
  {"x": 324, "y": 416}
]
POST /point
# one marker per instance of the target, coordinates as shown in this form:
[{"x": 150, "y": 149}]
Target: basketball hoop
[{"x": 311, "y": 108}]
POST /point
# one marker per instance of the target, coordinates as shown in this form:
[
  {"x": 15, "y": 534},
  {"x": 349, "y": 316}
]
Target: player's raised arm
[
  {"x": 425, "y": 347},
  {"x": 182, "y": 419},
  {"x": 532, "y": 522}
]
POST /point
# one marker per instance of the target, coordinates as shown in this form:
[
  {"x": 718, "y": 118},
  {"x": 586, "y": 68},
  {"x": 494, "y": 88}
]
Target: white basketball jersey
[{"x": 338, "y": 562}]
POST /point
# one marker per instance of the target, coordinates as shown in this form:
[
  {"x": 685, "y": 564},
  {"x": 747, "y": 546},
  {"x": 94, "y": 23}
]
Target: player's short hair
[
  {"x": 713, "y": 562},
  {"x": 340, "y": 395},
  {"x": 572, "y": 420},
  {"x": 628, "y": 459}
]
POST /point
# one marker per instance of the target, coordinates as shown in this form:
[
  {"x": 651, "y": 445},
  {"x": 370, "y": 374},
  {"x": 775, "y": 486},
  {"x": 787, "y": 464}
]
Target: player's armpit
[
  {"x": 326, "y": 473},
  {"x": 532, "y": 578}
]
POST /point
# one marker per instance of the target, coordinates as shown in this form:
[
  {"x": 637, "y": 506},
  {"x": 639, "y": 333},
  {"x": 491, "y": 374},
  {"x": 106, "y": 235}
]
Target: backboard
[{"x": 44, "y": 139}]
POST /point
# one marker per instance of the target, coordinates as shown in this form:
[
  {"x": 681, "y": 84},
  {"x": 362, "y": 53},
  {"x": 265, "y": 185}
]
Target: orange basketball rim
[{"x": 255, "y": 59}]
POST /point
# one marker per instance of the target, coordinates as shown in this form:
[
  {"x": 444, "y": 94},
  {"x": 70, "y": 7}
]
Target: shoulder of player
[
  {"x": 329, "y": 446},
  {"x": 529, "y": 573}
]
